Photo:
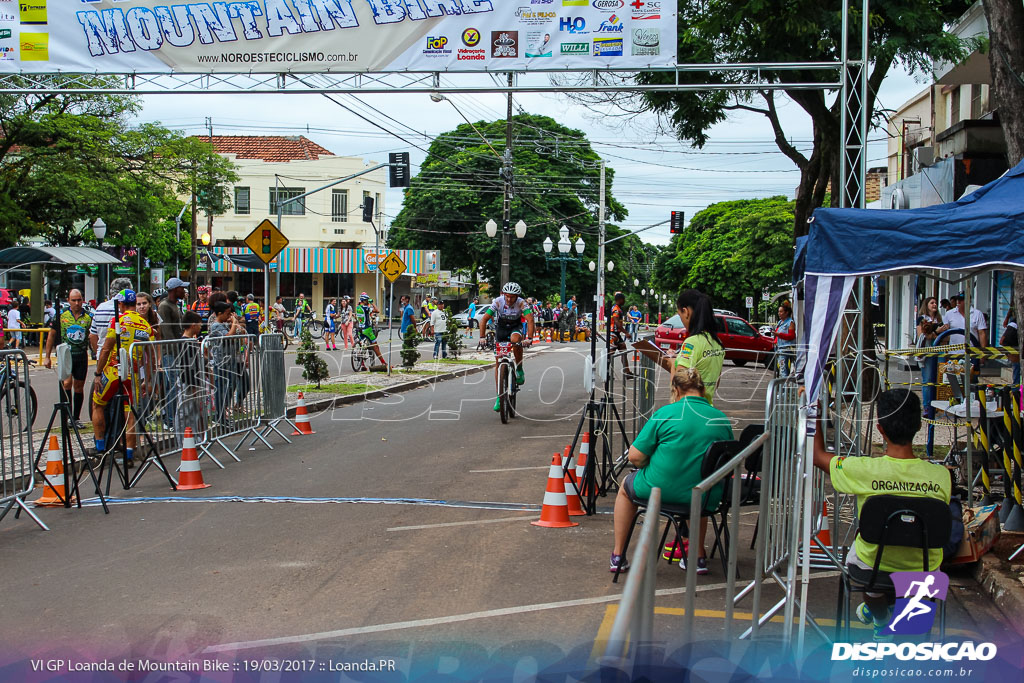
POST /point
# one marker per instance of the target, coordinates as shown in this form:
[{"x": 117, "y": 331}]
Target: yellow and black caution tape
[
  {"x": 981, "y": 440},
  {"x": 1011, "y": 420},
  {"x": 943, "y": 423},
  {"x": 978, "y": 352}
]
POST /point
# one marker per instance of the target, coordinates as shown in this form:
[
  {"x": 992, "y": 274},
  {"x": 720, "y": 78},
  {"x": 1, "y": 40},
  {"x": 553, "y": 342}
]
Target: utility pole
[
  {"x": 209, "y": 215},
  {"x": 195, "y": 218},
  {"x": 506, "y": 173},
  {"x": 599, "y": 308}
]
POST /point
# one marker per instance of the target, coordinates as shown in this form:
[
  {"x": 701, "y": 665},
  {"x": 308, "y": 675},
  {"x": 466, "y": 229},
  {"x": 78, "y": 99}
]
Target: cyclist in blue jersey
[{"x": 510, "y": 312}]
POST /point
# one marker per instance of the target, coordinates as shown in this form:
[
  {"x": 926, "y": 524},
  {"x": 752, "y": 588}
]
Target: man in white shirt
[
  {"x": 14, "y": 324},
  {"x": 439, "y": 321},
  {"x": 955, "y": 319}
]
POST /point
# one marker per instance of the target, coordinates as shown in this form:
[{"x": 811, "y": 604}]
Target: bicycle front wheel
[
  {"x": 503, "y": 389},
  {"x": 316, "y": 329},
  {"x": 358, "y": 357}
]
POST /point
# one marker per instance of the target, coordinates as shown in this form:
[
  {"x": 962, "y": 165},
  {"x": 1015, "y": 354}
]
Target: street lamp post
[
  {"x": 492, "y": 229},
  {"x": 564, "y": 248},
  {"x": 99, "y": 228}
]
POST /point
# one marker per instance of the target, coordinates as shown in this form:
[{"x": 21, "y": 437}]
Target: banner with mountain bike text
[{"x": 318, "y": 36}]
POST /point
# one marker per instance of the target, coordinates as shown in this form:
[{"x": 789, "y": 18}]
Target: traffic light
[
  {"x": 399, "y": 169},
  {"x": 367, "y": 209},
  {"x": 677, "y": 222},
  {"x": 266, "y": 242}
]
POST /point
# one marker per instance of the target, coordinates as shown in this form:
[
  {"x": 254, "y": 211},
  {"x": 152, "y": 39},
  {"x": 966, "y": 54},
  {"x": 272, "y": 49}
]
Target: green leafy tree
[
  {"x": 458, "y": 189},
  {"x": 314, "y": 368},
  {"x": 453, "y": 337},
  {"x": 731, "y": 250},
  {"x": 68, "y": 158},
  {"x": 910, "y": 33}
]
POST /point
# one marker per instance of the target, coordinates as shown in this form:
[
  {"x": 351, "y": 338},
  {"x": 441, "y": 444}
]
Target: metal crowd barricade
[
  {"x": 17, "y": 474},
  {"x": 275, "y": 384},
  {"x": 233, "y": 370},
  {"x": 634, "y": 621},
  {"x": 170, "y": 392}
]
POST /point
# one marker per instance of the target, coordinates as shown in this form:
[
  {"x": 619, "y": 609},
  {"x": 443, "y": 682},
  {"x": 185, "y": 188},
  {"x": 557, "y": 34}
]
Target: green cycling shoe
[
  {"x": 497, "y": 404},
  {"x": 520, "y": 376}
]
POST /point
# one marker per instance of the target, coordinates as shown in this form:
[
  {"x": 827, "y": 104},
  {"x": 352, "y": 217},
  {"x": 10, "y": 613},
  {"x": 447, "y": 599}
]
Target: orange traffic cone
[
  {"x": 302, "y": 425},
  {"x": 555, "y": 511},
  {"x": 581, "y": 462},
  {"x": 570, "y": 485},
  {"x": 54, "y": 493},
  {"x": 536, "y": 336},
  {"x": 191, "y": 476},
  {"x": 825, "y": 535}
]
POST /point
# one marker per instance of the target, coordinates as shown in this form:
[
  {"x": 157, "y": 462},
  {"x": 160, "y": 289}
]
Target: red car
[{"x": 742, "y": 342}]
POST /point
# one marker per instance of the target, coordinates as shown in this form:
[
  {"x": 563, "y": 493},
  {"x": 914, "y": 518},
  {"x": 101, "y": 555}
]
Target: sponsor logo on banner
[
  {"x": 538, "y": 44},
  {"x": 7, "y": 16},
  {"x": 575, "y": 3},
  {"x": 611, "y": 25},
  {"x": 7, "y": 52},
  {"x": 32, "y": 12},
  {"x": 504, "y": 44},
  {"x": 608, "y": 5},
  {"x": 575, "y": 48},
  {"x": 646, "y": 41},
  {"x": 646, "y": 9},
  {"x": 471, "y": 37},
  {"x": 542, "y": 2},
  {"x": 35, "y": 47},
  {"x": 437, "y": 46},
  {"x": 607, "y": 47},
  {"x": 470, "y": 55},
  {"x": 535, "y": 17},
  {"x": 5, "y": 33},
  {"x": 577, "y": 25}
]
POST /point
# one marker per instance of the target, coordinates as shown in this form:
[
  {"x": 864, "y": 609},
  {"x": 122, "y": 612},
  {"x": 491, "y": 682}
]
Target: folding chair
[
  {"x": 923, "y": 523},
  {"x": 677, "y": 516}
]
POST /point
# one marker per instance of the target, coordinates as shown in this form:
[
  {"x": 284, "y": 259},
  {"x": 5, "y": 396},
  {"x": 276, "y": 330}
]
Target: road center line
[
  {"x": 466, "y": 523},
  {"x": 455, "y": 618}
]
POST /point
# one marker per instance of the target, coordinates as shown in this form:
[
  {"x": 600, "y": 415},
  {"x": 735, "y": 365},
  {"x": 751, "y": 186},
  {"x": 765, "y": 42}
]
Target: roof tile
[{"x": 267, "y": 147}]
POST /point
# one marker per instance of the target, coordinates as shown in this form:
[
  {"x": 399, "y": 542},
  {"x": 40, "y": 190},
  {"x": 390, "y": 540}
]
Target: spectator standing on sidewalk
[
  {"x": 14, "y": 324},
  {"x": 439, "y": 321},
  {"x": 346, "y": 319},
  {"x": 408, "y": 315}
]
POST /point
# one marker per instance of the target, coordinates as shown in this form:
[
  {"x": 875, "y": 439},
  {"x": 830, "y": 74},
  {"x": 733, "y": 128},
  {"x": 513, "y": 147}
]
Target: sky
[{"x": 654, "y": 173}]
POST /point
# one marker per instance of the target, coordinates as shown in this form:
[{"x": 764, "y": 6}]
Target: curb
[
  {"x": 1005, "y": 590},
  {"x": 324, "y": 404}
]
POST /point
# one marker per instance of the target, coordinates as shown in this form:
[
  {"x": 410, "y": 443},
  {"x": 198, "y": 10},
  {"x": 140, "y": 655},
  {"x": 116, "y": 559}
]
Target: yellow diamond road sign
[
  {"x": 392, "y": 267},
  {"x": 266, "y": 241}
]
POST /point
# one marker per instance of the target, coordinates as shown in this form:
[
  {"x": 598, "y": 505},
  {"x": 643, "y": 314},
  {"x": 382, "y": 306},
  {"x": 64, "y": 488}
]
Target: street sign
[
  {"x": 399, "y": 175},
  {"x": 392, "y": 267},
  {"x": 266, "y": 241},
  {"x": 765, "y": 296},
  {"x": 750, "y": 302},
  {"x": 156, "y": 278}
]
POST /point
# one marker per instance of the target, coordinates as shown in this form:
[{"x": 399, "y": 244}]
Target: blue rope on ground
[{"x": 480, "y": 505}]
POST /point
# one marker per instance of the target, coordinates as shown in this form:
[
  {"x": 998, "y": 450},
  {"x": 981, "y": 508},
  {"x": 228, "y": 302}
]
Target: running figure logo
[{"x": 914, "y": 613}]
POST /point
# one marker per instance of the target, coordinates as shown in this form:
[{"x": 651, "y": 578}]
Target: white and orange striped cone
[
  {"x": 824, "y": 536},
  {"x": 54, "y": 492},
  {"x": 570, "y": 485},
  {"x": 302, "y": 424},
  {"x": 536, "y": 336},
  {"x": 581, "y": 462},
  {"x": 555, "y": 511},
  {"x": 190, "y": 475}
]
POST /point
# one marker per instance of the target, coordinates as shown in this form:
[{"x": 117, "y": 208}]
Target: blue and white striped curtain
[{"x": 825, "y": 299}]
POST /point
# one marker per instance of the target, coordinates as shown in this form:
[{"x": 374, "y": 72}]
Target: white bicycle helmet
[{"x": 512, "y": 288}]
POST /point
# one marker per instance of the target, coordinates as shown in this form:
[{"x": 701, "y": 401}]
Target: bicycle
[
  {"x": 11, "y": 410},
  {"x": 362, "y": 353},
  {"x": 308, "y": 320},
  {"x": 270, "y": 327},
  {"x": 508, "y": 387}
]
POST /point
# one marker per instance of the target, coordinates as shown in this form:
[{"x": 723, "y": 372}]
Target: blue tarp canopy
[{"x": 983, "y": 230}]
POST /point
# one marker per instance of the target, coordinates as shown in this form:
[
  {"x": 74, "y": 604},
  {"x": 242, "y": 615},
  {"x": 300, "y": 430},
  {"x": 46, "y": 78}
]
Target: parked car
[
  {"x": 462, "y": 318},
  {"x": 742, "y": 342},
  {"x": 8, "y": 297}
]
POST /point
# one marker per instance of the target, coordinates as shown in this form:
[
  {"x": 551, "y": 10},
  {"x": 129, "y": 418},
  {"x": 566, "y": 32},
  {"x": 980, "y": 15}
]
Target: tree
[
  {"x": 67, "y": 159},
  {"x": 911, "y": 33},
  {"x": 1006, "y": 59},
  {"x": 458, "y": 189},
  {"x": 314, "y": 368},
  {"x": 731, "y": 250}
]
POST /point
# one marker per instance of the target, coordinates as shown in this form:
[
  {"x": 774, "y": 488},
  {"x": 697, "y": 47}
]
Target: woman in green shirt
[
  {"x": 669, "y": 451},
  {"x": 701, "y": 349}
]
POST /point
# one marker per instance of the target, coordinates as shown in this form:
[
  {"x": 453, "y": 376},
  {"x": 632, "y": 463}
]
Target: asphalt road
[{"x": 405, "y": 538}]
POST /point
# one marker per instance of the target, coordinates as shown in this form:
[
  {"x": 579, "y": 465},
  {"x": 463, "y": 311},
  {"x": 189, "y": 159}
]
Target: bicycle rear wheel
[
  {"x": 359, "y": 356},
  {"x": 513, "y": 391},
  {"x": 316, "y": 329},
  {"x": 12, "y": 406},
  {"x": 503, "y": 389}
]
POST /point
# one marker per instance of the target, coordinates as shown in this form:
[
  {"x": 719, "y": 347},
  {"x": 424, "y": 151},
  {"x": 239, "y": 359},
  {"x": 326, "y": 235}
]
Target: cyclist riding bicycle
[
  {"x": 365, "y": 312},
  {"x": 509, "y": 311}
]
